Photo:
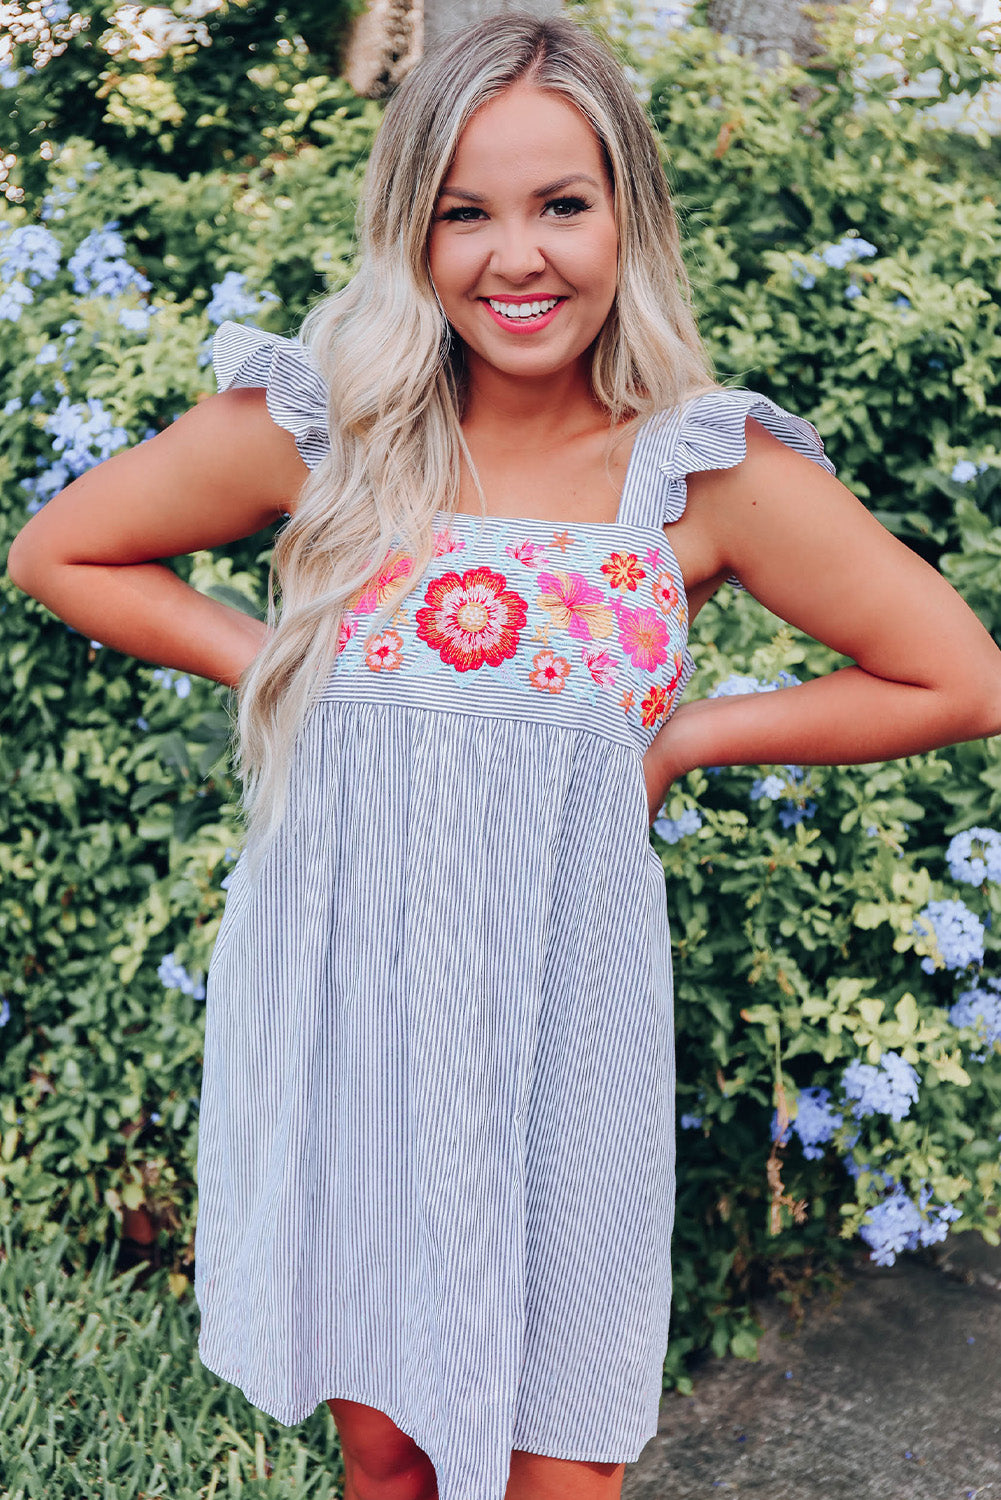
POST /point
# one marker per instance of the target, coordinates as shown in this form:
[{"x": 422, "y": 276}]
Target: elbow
[
  {"x": 980, "y": 710},
  {"x": 18, "y": 567}
]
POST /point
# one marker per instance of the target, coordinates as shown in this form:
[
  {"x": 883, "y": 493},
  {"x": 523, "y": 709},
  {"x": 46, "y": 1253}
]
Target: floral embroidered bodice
[{"x": 578, "y": 615}]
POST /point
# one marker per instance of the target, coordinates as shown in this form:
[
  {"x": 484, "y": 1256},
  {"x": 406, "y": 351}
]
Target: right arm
[{"x": 222, "y": 471}]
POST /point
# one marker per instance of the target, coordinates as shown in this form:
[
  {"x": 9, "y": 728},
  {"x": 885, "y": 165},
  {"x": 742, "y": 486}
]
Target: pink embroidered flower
[
  {"x": 378, "y": 589},
  {"x": 623, "y": 570},
  {"x": 444, "y": 542},
  {"x": 348, "y": 628},
  {"x": 551, "y": 672},
  {"x": 652, "y": 559},
  {"x": 526, "y": 552},
  {"x": 665, "y": 593},
  {"x": 384, "y": 653},
  {"x": 643, "y": 637},
  {"x": 472, "y": 618},
  {"x": 576, "y": 605},
  {"x": 601, "y": 666}
]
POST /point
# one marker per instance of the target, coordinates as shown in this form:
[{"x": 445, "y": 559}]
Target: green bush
[{"x": 795, "y": 949}]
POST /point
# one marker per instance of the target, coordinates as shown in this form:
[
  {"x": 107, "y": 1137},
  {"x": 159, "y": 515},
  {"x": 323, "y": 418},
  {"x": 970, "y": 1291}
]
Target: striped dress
[{"x": 436, "y": 1163}]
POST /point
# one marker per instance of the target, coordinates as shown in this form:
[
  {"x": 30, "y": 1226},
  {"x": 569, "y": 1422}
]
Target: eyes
[{"x": 555, "y": 208}]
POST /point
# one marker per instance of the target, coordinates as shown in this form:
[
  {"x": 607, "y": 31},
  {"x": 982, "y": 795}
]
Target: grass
[{"x": 105, "y": 1396}]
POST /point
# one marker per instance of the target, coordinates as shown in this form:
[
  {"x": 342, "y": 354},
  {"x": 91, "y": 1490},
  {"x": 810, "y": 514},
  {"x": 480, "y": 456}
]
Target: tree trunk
[
  {"x": 764, "y": 28},
  {"x": 445, "y": 17},
  {"x": 391, "y": 35}
]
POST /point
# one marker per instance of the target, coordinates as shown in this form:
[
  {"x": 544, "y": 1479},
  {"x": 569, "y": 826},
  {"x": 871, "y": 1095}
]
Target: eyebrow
[{"x": 543, "y": 192}]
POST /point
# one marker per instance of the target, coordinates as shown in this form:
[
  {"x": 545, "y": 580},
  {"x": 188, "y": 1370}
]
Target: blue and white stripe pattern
[{"x": 437, "y": 1158}]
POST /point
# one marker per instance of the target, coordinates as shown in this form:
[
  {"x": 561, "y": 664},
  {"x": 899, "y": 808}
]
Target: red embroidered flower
[
  {"x": 384, "y": 653},
  {"x": 471, "y": 619},
  {"x": 660, "y": 700},
  {"x": 665, "y": 593},
  {"x": 654, "y": 705},
  {"x": 643, "y": 637},
  {"x": 623, "y": 570},
  {"x": 551, "y": 672},
  {"x": 575, "y": 605}
]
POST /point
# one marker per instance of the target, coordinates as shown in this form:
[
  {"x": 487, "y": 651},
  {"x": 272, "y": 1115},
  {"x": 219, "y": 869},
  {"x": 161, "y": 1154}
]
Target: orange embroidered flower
[
  {"x": 575, "y": 605},
  {"x": 623, "y": 570},
  {"x": 551, "y": 672},
  {"x": 665, "y": 593},
  {"x": 643, "y": 637},
  {"x": 471, "y": 619},
  {"x": 601, "y": 666},
  {"x": 627, "y": 700},
  {"x": 384, "y": 653},
  {"x": 654, "y": 705}
]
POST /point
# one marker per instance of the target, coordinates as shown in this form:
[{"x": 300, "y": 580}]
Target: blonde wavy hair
[{"x": 396, "y": 374}]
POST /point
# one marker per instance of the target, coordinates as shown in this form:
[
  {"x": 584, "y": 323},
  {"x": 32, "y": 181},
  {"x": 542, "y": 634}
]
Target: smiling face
[{"x": 523, "y": 249}]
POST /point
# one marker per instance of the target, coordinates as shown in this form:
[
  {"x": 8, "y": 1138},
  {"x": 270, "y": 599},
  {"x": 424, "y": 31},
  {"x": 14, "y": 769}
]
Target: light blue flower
[
  {"x": 135, "y": 319},
  {"x": 164, "y": 677},
  {"x": 13, "y": 300},
  {"x": 852, "y": 290},
  {"x": 10, "y": 407},
  {"x": 975, "y": 856},
  {"x": 690, "y": 1122},
  {"x": 232, "y": 298},
  {"x": 83, "y": 432},
  {"x": 964, "y": 471},
  {"x": 792, "y": 813},
  {"x": 4, "y": 1010},
  {"x": 899, "y": 1224},
  {"x": 802, "y": 275},
  {"x": 771, "y": 787},
  {"x": 815, "y": 1121},
  {"x": 902, "y": 301},
  {"x": 958, "y": 933},
  {"x": 734, "y": 685},
  {"x": 99, "y": 268},
  {"x": 174, "y": 976},
  {"x": 30, "y": 251},
  {"x": 981, "y": 1009},
  {"x": 887, "y": 1089},
  {"x": 671, "y": 830},
  {"x": 47, "y": 354}
]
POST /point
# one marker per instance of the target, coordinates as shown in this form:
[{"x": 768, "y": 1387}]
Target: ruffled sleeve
[
  {"x": 295, "y": 391},
  {"x": 711, "y": 434}
]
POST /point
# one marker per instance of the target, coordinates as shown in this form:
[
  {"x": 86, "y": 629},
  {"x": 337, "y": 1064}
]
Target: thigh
[
  {"x": 534, "y": 1477},
  {"x": 373, "y": 1441}
]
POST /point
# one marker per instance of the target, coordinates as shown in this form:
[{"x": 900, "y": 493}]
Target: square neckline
[{"x": 556, "y": 523}]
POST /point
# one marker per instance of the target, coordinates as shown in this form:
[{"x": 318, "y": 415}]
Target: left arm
[{"x": 927, "y": 673}]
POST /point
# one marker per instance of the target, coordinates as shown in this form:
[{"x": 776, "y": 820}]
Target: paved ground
[{"x": 892, "y": 1392}]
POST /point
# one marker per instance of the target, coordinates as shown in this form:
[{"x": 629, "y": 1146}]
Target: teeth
[{"x": 523, "y": 309}]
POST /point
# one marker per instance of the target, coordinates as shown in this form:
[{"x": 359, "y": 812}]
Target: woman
[{"x": 436, "y": 1160}]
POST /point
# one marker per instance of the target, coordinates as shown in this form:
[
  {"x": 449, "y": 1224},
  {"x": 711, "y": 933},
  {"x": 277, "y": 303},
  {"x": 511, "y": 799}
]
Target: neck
[{"x": 539, "y": 409}]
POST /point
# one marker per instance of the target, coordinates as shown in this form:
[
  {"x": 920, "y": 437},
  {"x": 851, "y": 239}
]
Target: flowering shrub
[{"x": 838, "y": 999}]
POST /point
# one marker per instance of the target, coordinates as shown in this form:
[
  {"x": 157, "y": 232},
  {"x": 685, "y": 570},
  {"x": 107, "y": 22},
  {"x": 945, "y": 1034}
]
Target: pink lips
[{"x": 524, "y": 325}]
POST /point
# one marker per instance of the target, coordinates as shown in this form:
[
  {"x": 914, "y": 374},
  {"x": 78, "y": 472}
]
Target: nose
[{"x": 516, "y": 254}]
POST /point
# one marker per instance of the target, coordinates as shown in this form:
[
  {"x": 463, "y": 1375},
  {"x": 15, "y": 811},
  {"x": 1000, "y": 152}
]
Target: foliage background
[{"x": 232, "y": 176}]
